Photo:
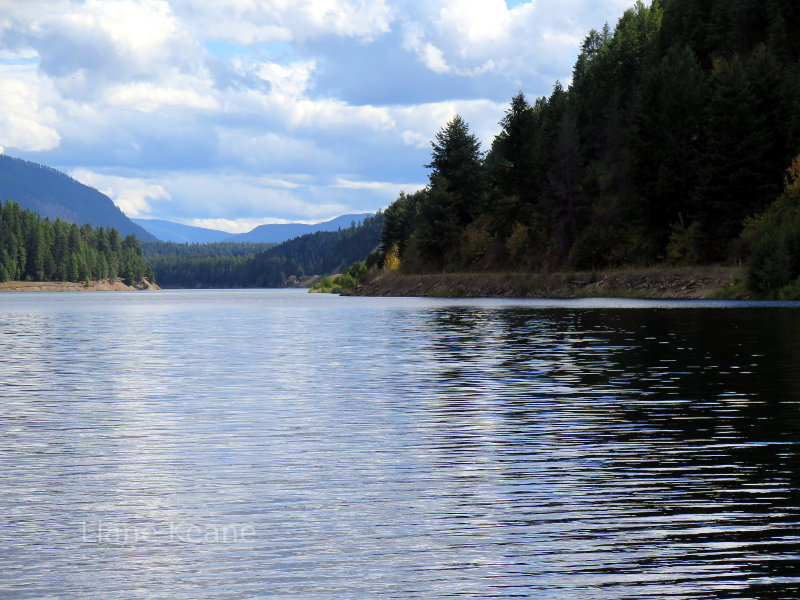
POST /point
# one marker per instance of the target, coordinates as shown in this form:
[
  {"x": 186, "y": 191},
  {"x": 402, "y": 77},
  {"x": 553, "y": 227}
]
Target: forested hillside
[
  {"x": 678, "y": 127},
  {"x": 198, "y": 249},
  {"x": 227, "y": 265},
  {"x": 52, "y": 194},
  {"x": 282, "y": 232},
  {"x": 36, "y": 249}
]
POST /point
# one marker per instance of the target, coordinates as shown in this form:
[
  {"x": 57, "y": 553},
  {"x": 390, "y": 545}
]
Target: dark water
[{"x": 276, "y": 444}]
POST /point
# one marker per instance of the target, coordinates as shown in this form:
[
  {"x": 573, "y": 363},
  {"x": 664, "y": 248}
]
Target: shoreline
[
  {"x": 104, "y": 285},
  {"x": 676, "y": 283}
]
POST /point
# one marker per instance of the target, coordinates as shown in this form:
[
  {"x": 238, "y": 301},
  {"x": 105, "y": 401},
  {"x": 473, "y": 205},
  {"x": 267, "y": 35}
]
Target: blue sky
[{"x": 233, "y": 113}]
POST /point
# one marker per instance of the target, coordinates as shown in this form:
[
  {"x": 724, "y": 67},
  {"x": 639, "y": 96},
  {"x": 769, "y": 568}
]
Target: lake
[{"x": 279, "y": 444}]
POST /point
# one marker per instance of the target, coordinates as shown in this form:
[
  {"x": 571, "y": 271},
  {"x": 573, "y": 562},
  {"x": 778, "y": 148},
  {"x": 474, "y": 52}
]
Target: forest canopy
[
  {"x": 33, "y": 248},
  {"x": 233, "y": 265},
  {"x": 679, "y": 126}
]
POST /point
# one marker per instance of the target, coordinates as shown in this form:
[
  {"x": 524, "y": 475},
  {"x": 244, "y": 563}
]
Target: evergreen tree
[
  {"x": 457, "y": 167},
  {"x": 737, "y": 177},
  {"x": 512, "y": 161},
  {"x": 568, "y": 204},
  {"x": 37, "y": 249},
  {"x": 668, "y": 137}
]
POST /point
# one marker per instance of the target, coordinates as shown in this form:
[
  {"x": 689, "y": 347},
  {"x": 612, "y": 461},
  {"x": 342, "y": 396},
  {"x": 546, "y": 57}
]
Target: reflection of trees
[{"x": 687, "y": 417}]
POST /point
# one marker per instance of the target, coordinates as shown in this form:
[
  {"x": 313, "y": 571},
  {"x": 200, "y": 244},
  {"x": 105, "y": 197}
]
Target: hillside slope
[
  {"x": 280, "y": 232},
  {"x": 169, "y": 231},
  {"x": 52, "y": 194}
]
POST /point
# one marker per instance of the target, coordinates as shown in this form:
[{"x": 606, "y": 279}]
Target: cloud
[
  {"x": 133, "y": 196},
  {"x": 227, "y": 225},
  {"x": 527, "y": 44},
  {"x": 248, "y": 22},
  {"x": 146, "y": 97},
  {"x": 348, "y": 184},
  {"x": 256, "y": 110},
  {"x": 27, "y": 122}
]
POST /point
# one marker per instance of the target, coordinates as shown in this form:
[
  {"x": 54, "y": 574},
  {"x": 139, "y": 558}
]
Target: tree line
[
  {"x": 674, "y": 136},
  {"x": 33, "y": 248},
  {"x": 237, "y": 265},
  {"x": 212, "y": 249}
]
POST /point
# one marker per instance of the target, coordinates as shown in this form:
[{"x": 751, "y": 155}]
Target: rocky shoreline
[
  {"x": 105, "y": 285},
  {"x": 688, "y": 283}
]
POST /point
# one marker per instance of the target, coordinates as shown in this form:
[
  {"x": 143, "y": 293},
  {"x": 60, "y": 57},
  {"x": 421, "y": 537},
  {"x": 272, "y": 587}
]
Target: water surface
[{"x": 277, "y": 444}]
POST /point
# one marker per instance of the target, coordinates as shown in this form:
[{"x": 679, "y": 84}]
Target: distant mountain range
[
  {"x": 167, "y": 231},
  {"x": 54, "y": 195}
]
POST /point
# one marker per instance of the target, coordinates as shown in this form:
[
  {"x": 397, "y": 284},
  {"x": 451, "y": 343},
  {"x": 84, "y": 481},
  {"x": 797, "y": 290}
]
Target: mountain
[
  {"x": 54, "y": 195},
  {"x": 281, "y": 232},
  {"x": 224, "y": 265},
  {"x": 168, "y": 231}
]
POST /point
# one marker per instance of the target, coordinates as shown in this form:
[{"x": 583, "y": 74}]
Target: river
[{"x": 278, "y": 444}]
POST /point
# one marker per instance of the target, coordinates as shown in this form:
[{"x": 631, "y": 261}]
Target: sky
[{"x": 232, "y": 113}]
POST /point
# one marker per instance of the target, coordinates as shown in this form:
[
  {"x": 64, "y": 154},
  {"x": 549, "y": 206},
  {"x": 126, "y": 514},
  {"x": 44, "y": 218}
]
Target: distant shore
[
  {"x": 688, "y": 283},
  {"x": 105, "y": 285}
]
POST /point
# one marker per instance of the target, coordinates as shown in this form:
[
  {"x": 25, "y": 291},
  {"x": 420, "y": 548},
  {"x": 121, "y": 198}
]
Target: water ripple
[{"x": 278, "y": 444}]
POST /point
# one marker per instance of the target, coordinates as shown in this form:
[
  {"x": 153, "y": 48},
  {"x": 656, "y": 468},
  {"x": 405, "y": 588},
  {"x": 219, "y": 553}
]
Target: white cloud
[
  {"x": 26, "y": 121},
  {"x": 147, "y": 97},
  {"x": 129, "y": 95},
  {"x": 474, "y": 23},
  {"x": 16, "y": 56},
  {"x": 418, "y": 124},
  {"x": 416, "y": 139},
  {"x": 141, "y": 29},
  {"x": 251, "y": 22},
  {"x": 469, "y": 39},
  {"x": 133, "y": 196},
  {"x": 290, "y": 80},
  {"x": 228, "y": 225},
  {"x": 387, "y": 188}
]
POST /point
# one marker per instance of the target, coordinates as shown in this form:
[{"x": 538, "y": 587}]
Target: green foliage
[
  {"x": 399, "y": 220},
  {"x": 457, "y": 169},
  {"x": 323, "y": 286},
  {"x": 438, "y": 229},
  {"x": 54, "y": 195},
  {"x": 518, "y": 242},
  {"x": 675, "y": 130},
  {"x": 344, "y": 284},
  {"x": 513, "y": 163},
  {"x": 475, "y": 242},
  {"x": 36, "y": 249},
  {"x": 228, "y": 265},
  {"x": 776, "y": 258},
  {"x": 215, "y": 249},
  {"x": 775, "y": 235},
  {"x": 685, "y": 244}
]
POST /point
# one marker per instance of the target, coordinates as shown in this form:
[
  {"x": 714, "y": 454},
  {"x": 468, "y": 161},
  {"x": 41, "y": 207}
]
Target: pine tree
[
  {"x": 667, "y": 139},
  {"x": 457, "y": 167},
  {"x": 737, "y": 177},
  {"x": 514, "y": 170}
]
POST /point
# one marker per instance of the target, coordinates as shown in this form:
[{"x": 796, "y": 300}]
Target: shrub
[
  {"x": 775, "y": 238},
  {"x": 685, "y": 243},
  {"x": 391, "y": 261},
  {"x": 475, "y": 242},
  {"x": 517, "y": 243},
  {"x": 776, "y": 258}
]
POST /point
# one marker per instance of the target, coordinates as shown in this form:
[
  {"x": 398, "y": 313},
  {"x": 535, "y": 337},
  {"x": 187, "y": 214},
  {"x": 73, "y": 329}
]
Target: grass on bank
[{"x": 344, "y": 284}]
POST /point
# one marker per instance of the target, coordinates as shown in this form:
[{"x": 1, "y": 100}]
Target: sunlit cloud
[
  {"x": 237, "y": 112},
  {"x": 133, "y": 196}
]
